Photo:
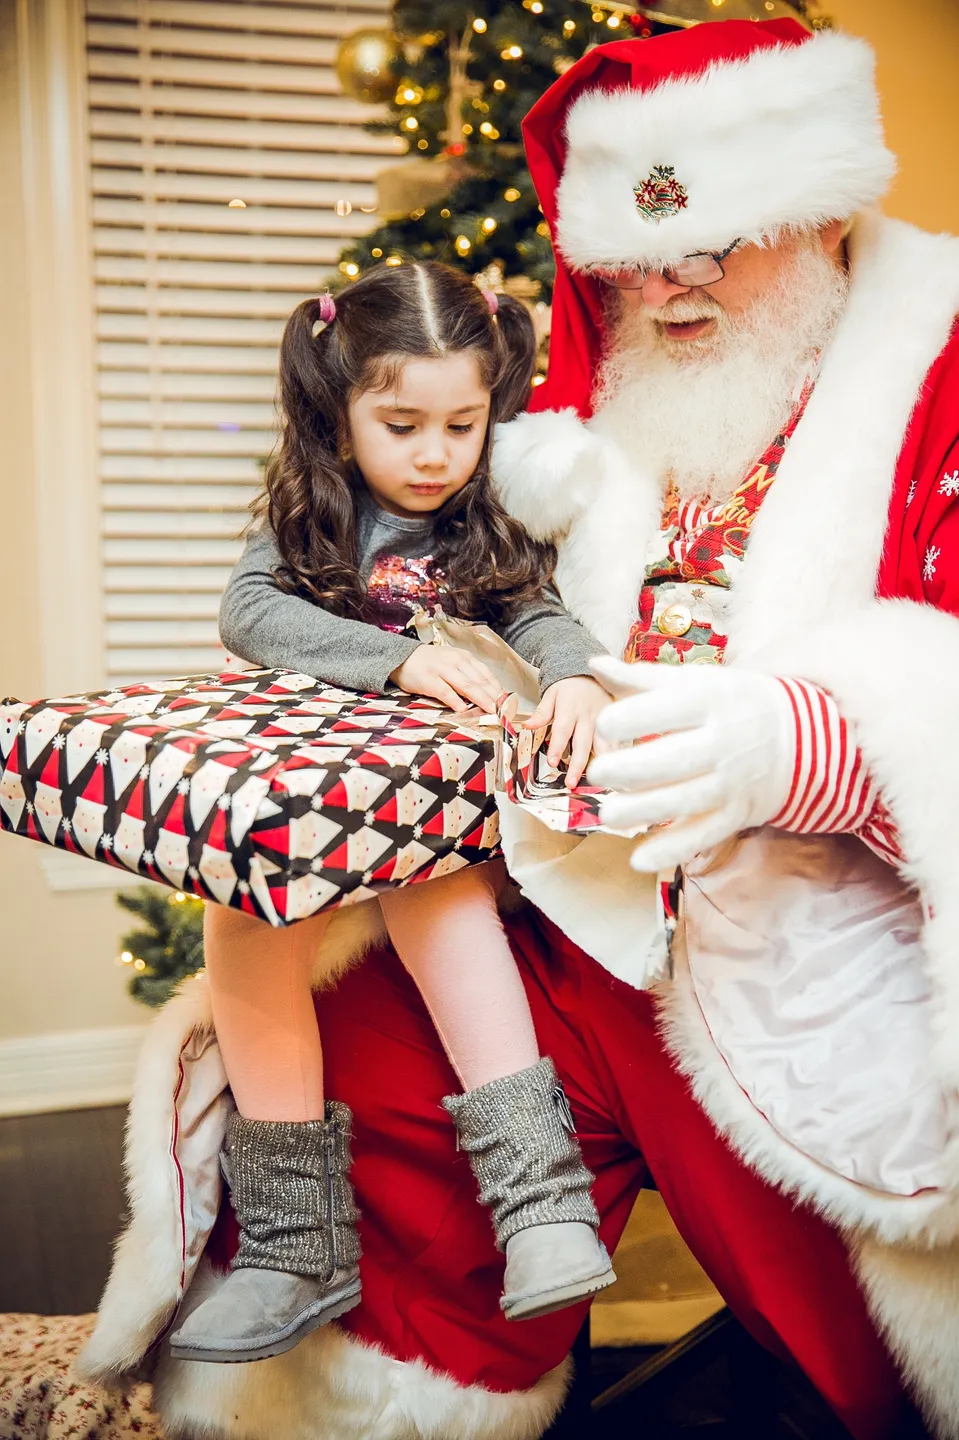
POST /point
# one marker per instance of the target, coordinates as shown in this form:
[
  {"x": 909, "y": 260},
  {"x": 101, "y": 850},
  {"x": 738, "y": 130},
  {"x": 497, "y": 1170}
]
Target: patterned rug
[{"x": 41, "y": 1398}]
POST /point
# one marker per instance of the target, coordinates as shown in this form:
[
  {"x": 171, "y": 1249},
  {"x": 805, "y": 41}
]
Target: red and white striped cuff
[{"x": 832, "y": 791}]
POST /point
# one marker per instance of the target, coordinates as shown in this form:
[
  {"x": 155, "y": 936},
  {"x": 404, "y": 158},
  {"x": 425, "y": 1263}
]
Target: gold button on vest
[{"x": 675, "y": 620}]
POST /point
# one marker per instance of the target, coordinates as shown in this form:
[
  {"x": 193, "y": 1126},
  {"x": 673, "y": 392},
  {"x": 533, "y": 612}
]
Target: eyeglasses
[{"x": 692, "y": 272}]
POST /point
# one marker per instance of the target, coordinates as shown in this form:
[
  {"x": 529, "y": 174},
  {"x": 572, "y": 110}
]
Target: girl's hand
[
  {"x": 449, "y": 675},
  {"x": 570, "y": 707}
]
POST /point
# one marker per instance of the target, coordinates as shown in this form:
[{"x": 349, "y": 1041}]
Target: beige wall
[
  {"x": 917, "y": 46},
  {"x": 57, "y": 949}
]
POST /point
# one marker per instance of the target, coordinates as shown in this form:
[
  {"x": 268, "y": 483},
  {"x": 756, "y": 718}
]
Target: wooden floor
[
  {"x": 61, "y": 1203},
  {"x": 61, "y": 1206}
]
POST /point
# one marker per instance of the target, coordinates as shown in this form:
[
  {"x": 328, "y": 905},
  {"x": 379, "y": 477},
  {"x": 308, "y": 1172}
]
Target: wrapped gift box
[{"x": 262, "y": 790}]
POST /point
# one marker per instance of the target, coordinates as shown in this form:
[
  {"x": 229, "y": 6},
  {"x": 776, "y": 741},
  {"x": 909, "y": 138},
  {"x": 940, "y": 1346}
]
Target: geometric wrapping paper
[
  {"x": 262, "y": 789},
  {"x": 525, "y": 776}
]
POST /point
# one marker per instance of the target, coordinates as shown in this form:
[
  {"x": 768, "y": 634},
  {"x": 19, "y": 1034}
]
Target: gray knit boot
[
  {"x": 296, "y": 1267},
  {"x": 519, "y": 1136}
]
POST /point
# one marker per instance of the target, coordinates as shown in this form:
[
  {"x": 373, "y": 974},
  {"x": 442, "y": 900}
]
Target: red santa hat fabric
[{"x": 649, "y": 150}]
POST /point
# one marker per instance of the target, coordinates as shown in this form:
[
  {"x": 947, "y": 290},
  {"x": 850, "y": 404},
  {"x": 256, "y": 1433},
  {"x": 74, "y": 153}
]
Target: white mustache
[{"x": 684, "y": 309}]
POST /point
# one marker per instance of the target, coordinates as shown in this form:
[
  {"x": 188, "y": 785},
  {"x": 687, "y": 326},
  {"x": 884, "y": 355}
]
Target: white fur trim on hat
[{"x": 787, "y": 136}]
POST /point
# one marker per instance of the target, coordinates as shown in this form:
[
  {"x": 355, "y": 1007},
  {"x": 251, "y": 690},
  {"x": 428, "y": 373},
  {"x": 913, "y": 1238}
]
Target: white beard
[{"x": 701, "y": 412}]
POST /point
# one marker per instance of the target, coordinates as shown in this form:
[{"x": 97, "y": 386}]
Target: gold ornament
[
  {"x": 686, "y": 13},
  {"x": 367, "y": 65}
]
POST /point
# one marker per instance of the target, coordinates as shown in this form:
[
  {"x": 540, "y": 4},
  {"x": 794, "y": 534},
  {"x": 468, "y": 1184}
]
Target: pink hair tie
[
  {"x": 492, "y": 300},
  {"x": 327, "y": 313}
]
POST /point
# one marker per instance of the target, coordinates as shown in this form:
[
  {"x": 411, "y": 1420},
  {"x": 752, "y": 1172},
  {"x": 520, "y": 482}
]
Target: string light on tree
[{"x": 682, "y": 14}]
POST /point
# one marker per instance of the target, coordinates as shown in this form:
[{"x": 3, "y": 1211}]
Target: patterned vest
[{"x": 693, "y": 560}]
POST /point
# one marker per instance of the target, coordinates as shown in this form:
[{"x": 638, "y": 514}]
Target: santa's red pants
[{"x": 431, "y": 1276}]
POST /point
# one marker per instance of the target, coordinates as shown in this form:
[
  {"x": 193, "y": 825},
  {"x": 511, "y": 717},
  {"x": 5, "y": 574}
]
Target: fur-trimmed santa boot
[
  {"x": 296, "y": 1267},
  {"x": 519, "y": 1136}
]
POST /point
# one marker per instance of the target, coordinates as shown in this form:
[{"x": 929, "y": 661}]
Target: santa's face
[
  {"x": 696, "y": 383},
  {"x": 685, "y": 316}
]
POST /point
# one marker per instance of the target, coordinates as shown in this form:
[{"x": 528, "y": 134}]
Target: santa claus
[{"x": 747, "y": 450}]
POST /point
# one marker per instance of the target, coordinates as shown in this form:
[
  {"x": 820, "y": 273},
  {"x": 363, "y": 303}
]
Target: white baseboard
[{"x": 75, "y": 1070}]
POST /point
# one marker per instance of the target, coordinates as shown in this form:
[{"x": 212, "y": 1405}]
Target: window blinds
[{"x": 193, "y": 106}]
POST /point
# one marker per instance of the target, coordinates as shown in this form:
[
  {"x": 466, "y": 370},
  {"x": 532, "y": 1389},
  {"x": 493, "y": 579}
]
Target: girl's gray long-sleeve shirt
[{"x": 262, "y": 624}]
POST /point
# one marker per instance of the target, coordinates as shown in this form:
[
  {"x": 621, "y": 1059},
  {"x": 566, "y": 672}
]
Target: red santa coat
[{"x": 871, "y": 583}]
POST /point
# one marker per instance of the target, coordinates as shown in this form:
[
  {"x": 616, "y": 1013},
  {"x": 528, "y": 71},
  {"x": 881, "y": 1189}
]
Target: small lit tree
[{"x": 167, "y": 946}]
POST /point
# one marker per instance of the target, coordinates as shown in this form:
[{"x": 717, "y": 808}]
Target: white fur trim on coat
[
  {"x": 545, "y": 470},
  {"x": 331, "y": 1387},
  {"x": 913, "y": 1298},
  {"x": 568, "y": 480},
  {"x": 787, "y": 136}
]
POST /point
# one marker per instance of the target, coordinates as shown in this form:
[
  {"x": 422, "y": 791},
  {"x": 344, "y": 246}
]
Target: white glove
[{"x": 718, "y": 754}]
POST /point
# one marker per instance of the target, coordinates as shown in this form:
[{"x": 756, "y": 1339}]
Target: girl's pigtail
[
  {"x": 518, "y": 342},
  {"x": 309, "y": 500}
]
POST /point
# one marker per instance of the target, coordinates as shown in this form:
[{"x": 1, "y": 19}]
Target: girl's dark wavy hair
[{"x": 488, "y": 562}]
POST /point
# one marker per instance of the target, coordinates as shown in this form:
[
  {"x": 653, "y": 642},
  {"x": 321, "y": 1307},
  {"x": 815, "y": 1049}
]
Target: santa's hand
[{"x": 716, "y": 755}]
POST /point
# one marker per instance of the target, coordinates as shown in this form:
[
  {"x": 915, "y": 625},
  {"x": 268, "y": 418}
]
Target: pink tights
[{"x": 448, "y": 935}]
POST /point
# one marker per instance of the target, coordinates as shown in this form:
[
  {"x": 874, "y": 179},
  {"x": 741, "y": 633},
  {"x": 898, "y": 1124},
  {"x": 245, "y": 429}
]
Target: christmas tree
[
  {"x": 167, "y": 947},
  {"x": 459, "y": 78}
]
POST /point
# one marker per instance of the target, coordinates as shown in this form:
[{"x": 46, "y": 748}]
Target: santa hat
[{"x": 649, "y": 150}]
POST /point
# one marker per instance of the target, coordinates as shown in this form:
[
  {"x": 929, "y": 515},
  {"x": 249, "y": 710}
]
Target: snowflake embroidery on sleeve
[
  {"x": 911, "y": 493},
  {"x": 929, "y": 563},
  {"x": 949, "y": 484}
]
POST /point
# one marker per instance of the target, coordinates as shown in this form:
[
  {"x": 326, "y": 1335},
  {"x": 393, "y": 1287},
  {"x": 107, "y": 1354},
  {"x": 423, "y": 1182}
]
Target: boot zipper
[
  {"x": 329, "y": 1141},
  {"x": 565, "y": 1113}
]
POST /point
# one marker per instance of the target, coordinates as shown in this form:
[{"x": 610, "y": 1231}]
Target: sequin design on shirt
[
  {"x": 397, "y": 586},
  {"x": 692, "y": 562}
]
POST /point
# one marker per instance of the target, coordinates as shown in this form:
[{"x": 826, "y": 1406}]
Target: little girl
[{"x": 378, "y": 500}]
